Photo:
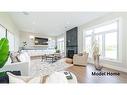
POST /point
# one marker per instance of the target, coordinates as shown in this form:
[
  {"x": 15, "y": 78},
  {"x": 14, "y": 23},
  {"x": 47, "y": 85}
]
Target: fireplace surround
[
  {"x": 71, "y": 42},
  {"x": 70, "y": 53}
]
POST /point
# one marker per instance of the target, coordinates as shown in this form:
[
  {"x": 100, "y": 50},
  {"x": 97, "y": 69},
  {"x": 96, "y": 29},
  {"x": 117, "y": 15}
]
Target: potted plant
[
  {"x": 4, "y": 51},
  {"x": 55, "y": 47},
  {"x": 57, "y": 50}
]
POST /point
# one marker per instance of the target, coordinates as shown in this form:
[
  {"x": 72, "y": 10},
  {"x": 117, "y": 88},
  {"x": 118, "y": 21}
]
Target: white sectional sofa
[{"x": 23, "y": 67}]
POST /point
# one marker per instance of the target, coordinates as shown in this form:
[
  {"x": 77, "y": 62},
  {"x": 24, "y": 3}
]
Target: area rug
[{"x": 45, "y": 68}]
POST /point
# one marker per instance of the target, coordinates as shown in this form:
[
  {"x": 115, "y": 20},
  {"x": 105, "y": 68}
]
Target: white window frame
[
  {"x": 12, "y": 49},
  {"x": 4, "y": 29},
  {"x": 103, "y": 38},
  {"x": 61, "y": 42}
]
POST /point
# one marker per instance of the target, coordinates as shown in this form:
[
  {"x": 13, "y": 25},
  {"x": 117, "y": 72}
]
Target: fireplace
[
  {"x": 70, "y": 53},
  {"x": 72, "y": 42}
]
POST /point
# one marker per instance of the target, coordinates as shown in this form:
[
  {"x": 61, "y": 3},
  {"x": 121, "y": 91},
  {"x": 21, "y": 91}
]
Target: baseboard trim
[
  {"x": 122, "y": 69},
  {"x": 110, "y": 66}
]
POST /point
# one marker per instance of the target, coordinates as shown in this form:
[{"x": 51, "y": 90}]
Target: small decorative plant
[
  {"x": 4, "y": 51},
  {"x": 55, "y": 47},
  {"x": 57, "y": 50},
  {"x": 24, "y": 43}
]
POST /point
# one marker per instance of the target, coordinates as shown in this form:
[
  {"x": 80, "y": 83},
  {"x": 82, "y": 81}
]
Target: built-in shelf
[
  {"x": 35, "y": 47},
  {"x": 38, "y": 46}
]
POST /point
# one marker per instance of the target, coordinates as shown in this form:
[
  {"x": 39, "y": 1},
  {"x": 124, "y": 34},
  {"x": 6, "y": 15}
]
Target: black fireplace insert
[{"x": 70, "y": 53}]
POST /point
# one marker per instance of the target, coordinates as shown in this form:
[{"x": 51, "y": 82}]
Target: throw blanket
[{"x": 44, "y": 68}]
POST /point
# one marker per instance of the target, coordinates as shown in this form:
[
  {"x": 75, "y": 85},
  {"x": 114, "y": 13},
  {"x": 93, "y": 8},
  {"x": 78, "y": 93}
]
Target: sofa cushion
[
  {"x": 4, "y": 77},
  {"x": 80, "y": 54},
  {"x": 23, "y": 57},
  {"x": 80, "y": 60},
  {"x": 14, "y": 58},
  {"x": 24, "y": 79}
]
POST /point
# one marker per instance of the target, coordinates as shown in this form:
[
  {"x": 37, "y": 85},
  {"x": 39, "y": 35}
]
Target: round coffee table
[{"x": 62, "y": 77}]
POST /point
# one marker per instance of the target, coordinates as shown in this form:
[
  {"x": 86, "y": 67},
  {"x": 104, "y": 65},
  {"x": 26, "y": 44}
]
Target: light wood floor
[{"x": 84, "y": 75}]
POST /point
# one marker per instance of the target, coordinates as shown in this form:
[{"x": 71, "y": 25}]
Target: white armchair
[{"x": 80, "y": 59}]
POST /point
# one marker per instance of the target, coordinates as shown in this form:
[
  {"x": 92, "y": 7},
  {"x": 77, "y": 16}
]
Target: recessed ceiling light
[
  {"x": 25, "y": 13},
  {"x": 68, "y": 23}
]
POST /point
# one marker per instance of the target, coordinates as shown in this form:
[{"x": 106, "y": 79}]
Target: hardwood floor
[{"x": 84, "y": 75}]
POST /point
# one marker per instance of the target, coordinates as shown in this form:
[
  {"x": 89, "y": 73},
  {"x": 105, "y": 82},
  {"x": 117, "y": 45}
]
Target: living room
[{"x": 50, "y": 37}]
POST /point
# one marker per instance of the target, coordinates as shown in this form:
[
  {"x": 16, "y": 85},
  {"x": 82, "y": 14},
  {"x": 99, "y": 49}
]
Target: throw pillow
[
  {"x": 14, "y": 58},
  {"x": 24, "y": 79},
  {"x": 4, "y": 77},
  {"x": 23, "y": 57},
  {"x": 80, "y": 54}
]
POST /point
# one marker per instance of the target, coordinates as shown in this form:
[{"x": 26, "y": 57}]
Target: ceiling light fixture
[
  {"x": 31, "y": 37},
  {"x": 25, "y": 13}
]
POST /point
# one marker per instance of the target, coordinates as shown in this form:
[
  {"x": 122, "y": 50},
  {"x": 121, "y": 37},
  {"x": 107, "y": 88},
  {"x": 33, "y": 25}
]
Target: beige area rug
[{"x": 44, "y": 68}]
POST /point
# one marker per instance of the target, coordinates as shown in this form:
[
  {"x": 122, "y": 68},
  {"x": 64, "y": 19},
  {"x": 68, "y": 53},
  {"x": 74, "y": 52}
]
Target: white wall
[
  {"x": 7, "y": 22},
  {"x": 122, "y": 35},
  {"x": 24, "y": 36}
]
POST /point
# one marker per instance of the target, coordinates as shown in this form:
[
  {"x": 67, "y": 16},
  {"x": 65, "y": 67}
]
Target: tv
[{"x": 41, "y": 41}]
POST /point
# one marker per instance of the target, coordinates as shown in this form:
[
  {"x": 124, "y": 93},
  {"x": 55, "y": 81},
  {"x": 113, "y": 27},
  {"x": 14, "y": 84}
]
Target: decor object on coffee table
[
  {"x": 96, "y": 54},
  {"x": 4, "y": 51}
]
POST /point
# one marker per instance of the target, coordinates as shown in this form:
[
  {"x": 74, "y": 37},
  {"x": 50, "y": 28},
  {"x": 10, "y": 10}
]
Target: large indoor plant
[
  {"x": 96, "y": 54},
  {"x": 4, "y": 51}
]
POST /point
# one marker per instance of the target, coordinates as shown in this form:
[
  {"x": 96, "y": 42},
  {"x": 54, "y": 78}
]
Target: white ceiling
[{"x": 52, "y": 23}]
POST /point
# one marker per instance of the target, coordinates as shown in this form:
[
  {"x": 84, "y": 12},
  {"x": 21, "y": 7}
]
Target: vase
[{"x": 97, "y": 62}]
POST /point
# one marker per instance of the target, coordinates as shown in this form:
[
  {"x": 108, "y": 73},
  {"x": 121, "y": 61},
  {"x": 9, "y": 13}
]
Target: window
[
  {"x": 109, "y": 27},
  {"x": 10, "y": 37},
  {"x": 111, "y": 45},
  {"x": 2, "y": 32},
  {"x": 60, "y": 44},
  {"x": 99, "y": 40},
  {"x": 51, "y": 44},
  {"x": 88, "y": 45},
  {"x": 107, "y": 39}
]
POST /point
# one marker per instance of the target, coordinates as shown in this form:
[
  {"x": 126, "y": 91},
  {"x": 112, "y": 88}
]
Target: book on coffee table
[{"x": 68, "y": 75}]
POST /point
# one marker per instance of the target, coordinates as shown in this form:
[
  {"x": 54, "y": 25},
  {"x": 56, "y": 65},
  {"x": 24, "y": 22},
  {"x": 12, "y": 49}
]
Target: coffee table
[{"x": 60, "y": 77}]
